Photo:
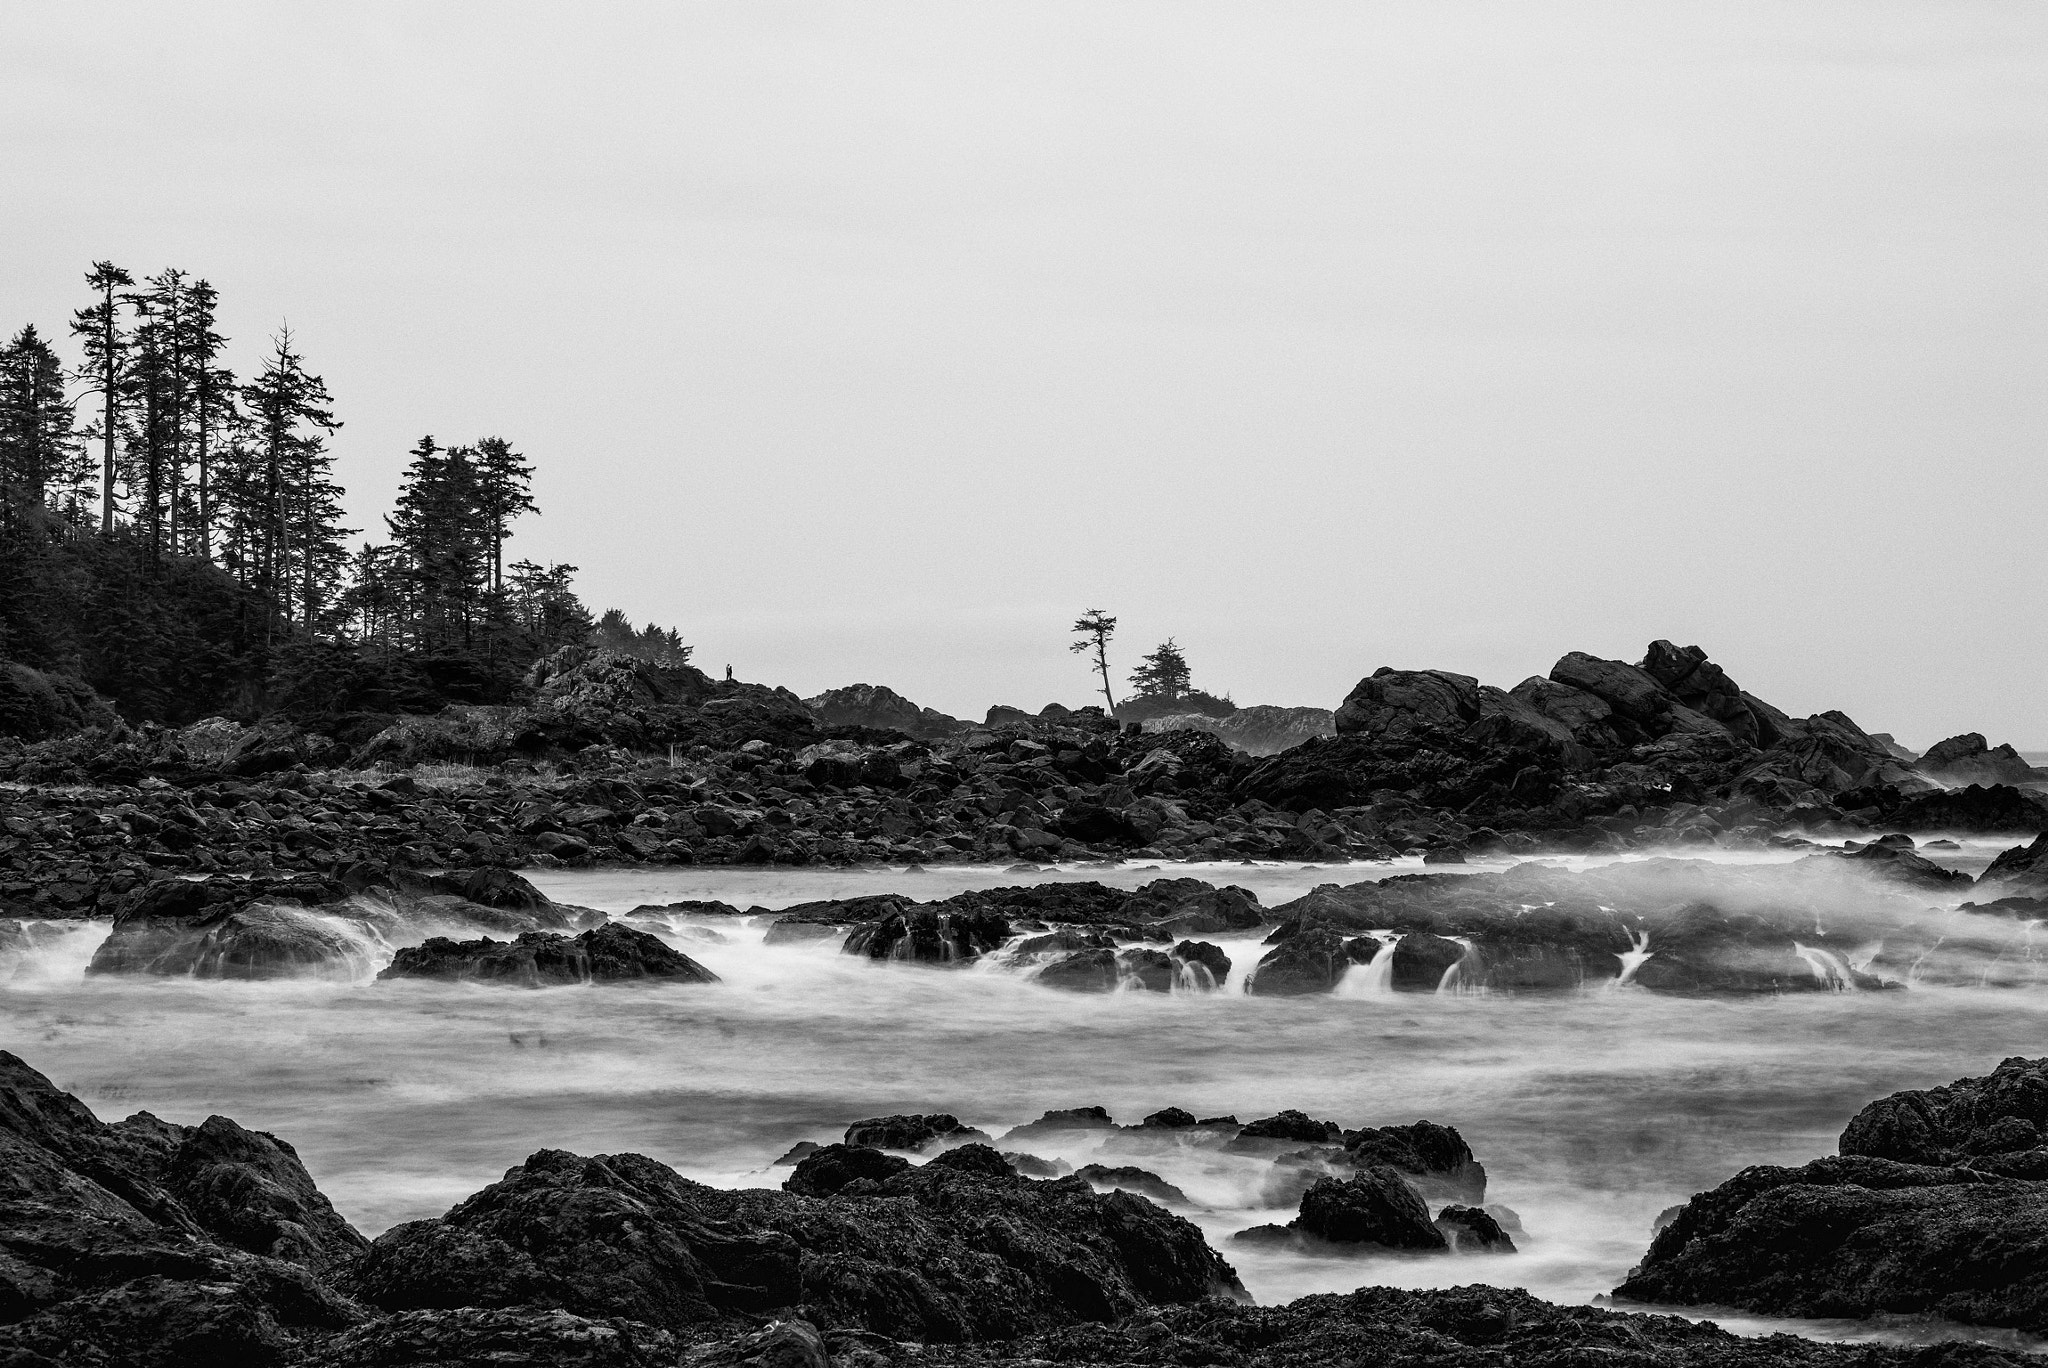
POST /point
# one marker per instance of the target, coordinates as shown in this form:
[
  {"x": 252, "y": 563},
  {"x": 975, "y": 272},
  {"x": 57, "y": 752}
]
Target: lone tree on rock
[
  {"x": 1093, "y": 629},
  {"x": 1163, "y": 675}
]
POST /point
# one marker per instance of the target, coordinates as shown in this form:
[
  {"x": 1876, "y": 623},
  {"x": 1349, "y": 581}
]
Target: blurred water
[{"x": 1592, "y": 1112}]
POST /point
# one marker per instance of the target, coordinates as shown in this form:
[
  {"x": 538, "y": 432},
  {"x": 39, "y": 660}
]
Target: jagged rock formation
[
  {"x": 1261, "y": 729},
  {"x": 1936, "y": 1205},
  {"x": 882, "y": 709},
  {"x": 1966, "y": 759}
]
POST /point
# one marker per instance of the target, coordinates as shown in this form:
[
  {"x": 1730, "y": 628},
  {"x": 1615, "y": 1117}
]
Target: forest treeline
[{"x": 172, "y": 534}]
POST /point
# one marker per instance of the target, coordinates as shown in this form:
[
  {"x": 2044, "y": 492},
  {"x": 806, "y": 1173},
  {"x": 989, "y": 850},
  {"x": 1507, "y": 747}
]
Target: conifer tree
[
  {"x": 505, "y": 490},
  {"x": 1163, "y": 675},
  {"x": 40, "y": 459},
  {"x": 1093, "y": 629},
  {"x": 297, "y": 538},
  {"x": 105, "y": 370}
]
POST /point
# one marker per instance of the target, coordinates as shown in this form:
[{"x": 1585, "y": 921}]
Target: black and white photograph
[{"x": 1030, "y": 684}]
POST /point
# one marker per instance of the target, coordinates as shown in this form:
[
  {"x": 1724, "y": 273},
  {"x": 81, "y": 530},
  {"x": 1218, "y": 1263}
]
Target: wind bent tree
[{"x": 1093, "y": 629}]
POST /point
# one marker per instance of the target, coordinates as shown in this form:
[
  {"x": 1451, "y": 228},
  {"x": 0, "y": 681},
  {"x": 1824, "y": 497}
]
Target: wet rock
[
  {"x": 1967, "y": 759},
  {"x": 2003, "y": 1113},
  {"x": 1471, "y": 1230},
  {"x": 1125, "y": 1178},
  {"x": 1293, "y": 1127},
  {"x": 152, "y": 1243},
  {"x": 539, "y": 959},
  {"x": 1373, "y": 1208},
  {"x": 1311, "y": 960},
  {"x": 780, "y": 1344},
  {"x": 1060, "y": 1123},
  {"x": 933, "y": 1254},
  {"x": 1993, "y": 809},
  {"x": 1085, "y": 971},
  {"x": 796, "y": 1152},
  {"x": 912, "y": 1133},
  {"x": 1435, "y": 1159},
  {"x": 1031, "y": 1166},
  {"x": 1421, "y": 960},
  {"x": 501, "y": 1338},
  {"x": 1212, "y": 963},
  {"x": 1855, "y": 1236},
  {"x": 1169, "y": 1118},
  {"x": 830, "y": 1169},
  {"x": 230, "y": 929},
  {"x": 948, "y": 933},
  {"x": 2020, "y": 869}
]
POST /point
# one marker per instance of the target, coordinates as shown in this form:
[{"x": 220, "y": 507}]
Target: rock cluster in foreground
[
  {"x": 1936, "y": 1205},
  {"x": 166, "y": 1246}
]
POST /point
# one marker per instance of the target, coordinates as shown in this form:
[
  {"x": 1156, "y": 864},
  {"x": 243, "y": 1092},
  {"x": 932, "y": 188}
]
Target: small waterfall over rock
[
  {"x": 1827, "y": 966},
  {"x": 1633, "y": 958},
  {"x": 1375, "y": 977}
]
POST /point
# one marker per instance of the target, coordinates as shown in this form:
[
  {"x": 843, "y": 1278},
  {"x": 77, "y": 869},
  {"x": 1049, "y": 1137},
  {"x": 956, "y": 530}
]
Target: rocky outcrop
[
  {"x": 150, "y": 1243},
  {"x": 1937, "y": 1205},
  {"x": 912, "y": 1133},
  {"x": 2022, "y": 869},
  {"x": 1996, "y": 810},
  {"x": 306, "y": 924},
  {"x": 543, "y": 959},
  {"x": 1261, "y": 729},
  {"x": 958, "y": 1249},
  {"x": 881, "y": 709},
  {"x": 1966, "y": 759}
]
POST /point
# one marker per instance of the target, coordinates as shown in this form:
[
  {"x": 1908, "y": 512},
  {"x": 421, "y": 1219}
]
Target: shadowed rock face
[{"x": 1938, "y": 1204}]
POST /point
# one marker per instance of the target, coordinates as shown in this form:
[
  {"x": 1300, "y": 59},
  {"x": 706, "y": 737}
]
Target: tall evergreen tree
[
  {"x": 443, "y": 541},
  {"x": 40, "y": 458},
  {"x": 211, "y": 396},
  {"x": 105, "y": 370},
  {"x": 505, "y": 488},
  {"x": 1163, "y": 675},
  {"x": 298, "y": 549}
]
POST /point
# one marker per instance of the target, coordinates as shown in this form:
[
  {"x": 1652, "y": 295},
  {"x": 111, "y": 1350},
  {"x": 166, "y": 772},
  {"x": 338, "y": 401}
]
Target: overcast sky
[{"x": 874, "y": 342}]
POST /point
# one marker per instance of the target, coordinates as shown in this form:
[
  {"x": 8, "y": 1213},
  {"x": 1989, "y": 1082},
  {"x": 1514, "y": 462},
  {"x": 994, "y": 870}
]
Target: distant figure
[{"x": 728, "y": 674}]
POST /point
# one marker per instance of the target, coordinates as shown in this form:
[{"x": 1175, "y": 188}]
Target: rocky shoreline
[
  {"x": 616, "y": 761},
  {"x": 920, "y": 1240}
]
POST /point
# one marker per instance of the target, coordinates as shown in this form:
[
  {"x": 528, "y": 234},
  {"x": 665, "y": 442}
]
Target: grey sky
[{"x": 874, "y": 342}]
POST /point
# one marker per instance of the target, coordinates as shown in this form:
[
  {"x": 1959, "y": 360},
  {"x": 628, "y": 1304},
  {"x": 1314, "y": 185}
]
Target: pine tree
[
  {"x": 40, "y": 459},
  {"x": 1094, "y": 628},
  {"x": 297, "y": 528},
  {"x": 505, "y": 489},
  {"x": 105, "y": 370},
  {"x": 443, "y": 540},
  {"x": 211, "y": 393},
  {"x": 1163, "y": 675}
]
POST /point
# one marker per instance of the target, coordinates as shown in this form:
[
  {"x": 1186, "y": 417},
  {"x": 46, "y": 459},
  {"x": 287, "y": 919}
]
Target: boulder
[
  {"x": 2020, "y": 869},
  {"x": 872, "y": 705},
  {"x": 942, "y": 1253},
  {"x": 947, "y": 933},
  {"x": 1398, "y": 703},
  {"x": 1470, "y": 1230},
  {"x": 911, "y": 1132},
  {"x": 1375, "y": 1207},
  {"x": 1202, "y": 965},
  {"x": 540, "y": 959},
  {"x": 220, "y": 928},
  {"x": 1124, "y": 1178},
  {"x": 1311, "y": 960},
  {"x": 1966, "y": 759},
  {"x": 1434, "y": 1159}
]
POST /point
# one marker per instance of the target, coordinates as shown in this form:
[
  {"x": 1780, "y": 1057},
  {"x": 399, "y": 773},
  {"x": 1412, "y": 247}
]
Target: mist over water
[{"x": 1592, "y": 1111}]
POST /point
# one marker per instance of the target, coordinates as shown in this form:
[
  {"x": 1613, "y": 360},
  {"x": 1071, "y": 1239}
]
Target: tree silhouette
[
  {"x": 1163, "y": 675},
  {"x": 1094, "y": 628}
]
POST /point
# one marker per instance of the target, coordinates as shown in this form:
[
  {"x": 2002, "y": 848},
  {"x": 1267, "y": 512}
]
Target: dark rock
[
  {"x": 948, "y": 933},
  {"x": 1375, "y": 1207},
  {"x": 539, "y": 959},
  {"x": 1169, "y": 1118},
  {"x": 1213, "y": 965},
  {"x": 934, "y": 1254},
  {"x": 1996, "y": 809},
  {"x": 1973, "y": 1118},
  {"x": 831, "y": 1168},
  {"x": 1125, "y": 1178},
  {"x": 1435, "y": 1159},
  {"x": 796, "y": 1152},
  {"x": 1310, "y": 961},
  {"x": 1031, "y": 1166},
  {"x": 500, "y": 1338},
  {"x": 1061, "y": 1122},
  {"x": 1294, "y": 1127},
  {"x": 2022, "y": 868},
  {"x": 1472, "y": 1230},
  {"x": 911, "y": 1132}
]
